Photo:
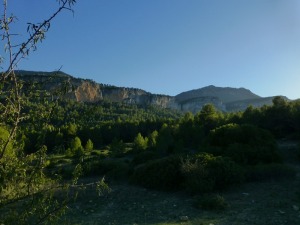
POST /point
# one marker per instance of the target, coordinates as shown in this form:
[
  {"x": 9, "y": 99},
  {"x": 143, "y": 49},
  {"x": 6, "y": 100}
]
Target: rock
[{"x": 184, "y": 218}]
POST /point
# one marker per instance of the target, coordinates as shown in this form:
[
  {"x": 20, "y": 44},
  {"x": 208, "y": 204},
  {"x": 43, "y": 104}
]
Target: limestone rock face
[
  {"x": 88, "y": 92},
  {"x": 82, "y": 90}
]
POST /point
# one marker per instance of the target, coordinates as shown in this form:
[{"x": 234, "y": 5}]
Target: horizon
[{"x": 168, "y": 47}]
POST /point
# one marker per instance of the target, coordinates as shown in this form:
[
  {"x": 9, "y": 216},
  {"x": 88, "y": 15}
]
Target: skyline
[{"x": 171, "y": 46}]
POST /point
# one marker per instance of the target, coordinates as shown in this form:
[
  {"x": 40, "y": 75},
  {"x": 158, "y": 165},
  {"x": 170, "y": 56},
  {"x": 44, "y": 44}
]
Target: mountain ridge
[{"x": 85, "y": 90}]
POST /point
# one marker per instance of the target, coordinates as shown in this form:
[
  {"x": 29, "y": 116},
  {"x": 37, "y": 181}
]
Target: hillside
[
  {"x": 84, "y": 90},
  {"x": 225, "y": 94}
]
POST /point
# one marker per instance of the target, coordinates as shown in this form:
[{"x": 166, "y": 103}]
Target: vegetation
[
  {"x": 45, "y": 142},
  {"x": 28, "y": 193}
]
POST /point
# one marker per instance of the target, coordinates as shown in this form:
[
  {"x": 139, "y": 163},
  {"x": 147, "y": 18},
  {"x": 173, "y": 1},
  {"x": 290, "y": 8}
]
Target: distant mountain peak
[{"x": 225, "y": 94}]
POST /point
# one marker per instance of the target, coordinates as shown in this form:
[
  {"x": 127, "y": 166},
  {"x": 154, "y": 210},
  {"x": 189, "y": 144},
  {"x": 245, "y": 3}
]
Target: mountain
[
  {"x": 84, "y": 90},
  {"x": 226, "y": 94}
]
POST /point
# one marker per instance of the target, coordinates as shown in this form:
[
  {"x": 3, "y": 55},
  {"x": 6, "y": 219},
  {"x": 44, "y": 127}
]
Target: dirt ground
[{"x": 263, "y": 203}]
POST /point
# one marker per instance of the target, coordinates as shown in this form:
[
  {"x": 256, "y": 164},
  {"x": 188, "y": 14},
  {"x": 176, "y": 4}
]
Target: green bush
[
  {"x": 196, "y": 176},
  {"x": 144, "y": 157},
  {"x": 111, "y": 168},
  {"x": 224, "y": 171},
  {"x": 210, "y": 202},
  {"x": 245, "y": 144},
  {"x": 205, "y": 173},
  {"x": 252, "y": 155},
  {"x": 161, "y": 174},
  {"x": 117, "y": 147},
  {"x": 269, "y": 172}
]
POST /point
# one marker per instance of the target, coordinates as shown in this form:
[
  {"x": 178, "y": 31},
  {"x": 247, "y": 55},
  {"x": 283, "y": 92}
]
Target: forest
[{"x": 143, "y": 143}]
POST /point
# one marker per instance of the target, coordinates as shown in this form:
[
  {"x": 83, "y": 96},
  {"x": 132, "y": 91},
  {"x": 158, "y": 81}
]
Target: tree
[
  {"x": 76, "y": 147},
  {"x": 89, "y": 146},
  {"x": 279, "y": 102},
  {"x": 208, "y": 118},
  {"x": 140, "y": 143},
  {"x": 165, "y": 140},
  {"x": 152, "y": 138},
  {"x": 27, "y": 194}
]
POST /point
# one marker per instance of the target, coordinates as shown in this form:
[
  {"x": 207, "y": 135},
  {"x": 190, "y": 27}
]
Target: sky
[{"x": 170, "y": 46}]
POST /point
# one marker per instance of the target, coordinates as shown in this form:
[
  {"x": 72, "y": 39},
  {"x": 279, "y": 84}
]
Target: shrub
[
  {"x": 75, "y": 150},
  {"x": 245, "y": 144},
  {"x": 140, "y": 143},
  {"x": 112, "y": 168},
  {"x": 224, "y": 171},
  {"x": 205, "y": 173},
  {"x": 117, "y": 147},
  {"x": 161, "y": 174},
  {"x": 196, "y": 177},
  {"x": 210, "y": 202},
  {"x": 144, "y": 157},
  {"x": 269, "y": 172},
  {"x": 252, "y": 155},
  {"x": 89, "y": 146}
]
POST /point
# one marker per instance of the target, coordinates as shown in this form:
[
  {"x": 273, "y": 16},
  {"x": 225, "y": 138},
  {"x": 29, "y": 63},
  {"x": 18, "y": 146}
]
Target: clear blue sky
[{"x": 171, "y": 46}]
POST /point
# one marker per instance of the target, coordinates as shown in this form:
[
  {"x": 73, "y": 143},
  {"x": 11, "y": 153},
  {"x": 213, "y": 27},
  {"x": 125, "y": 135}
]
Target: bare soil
[{"x": 274, "y": 202}]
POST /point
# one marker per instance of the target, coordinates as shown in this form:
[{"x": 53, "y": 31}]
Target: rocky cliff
[{"x": 83, "y": 90}]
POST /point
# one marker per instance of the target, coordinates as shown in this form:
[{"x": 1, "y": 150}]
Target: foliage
[
  {"x": 246, "y": 144},
  {"x": 140, "y": 143},
  {"x": 4, "y": 136},
  {"x": 35, "y": 123},
  {"x": 111, "y": 168},
  {"x": 205, "y": 173},
  {"x": 27, "y": 194},
  {"x": 117, "y": 147},
  {"x": 152, "y": 139},
  {"x": 165, "y": 140},
  {"x": 208, "y": 118},
  {"x": 89, "y": 145},
  {"x": 161, "y": 174},
  {"x": 144, "y": 157},
  {"x": 76, "y": 147}
]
